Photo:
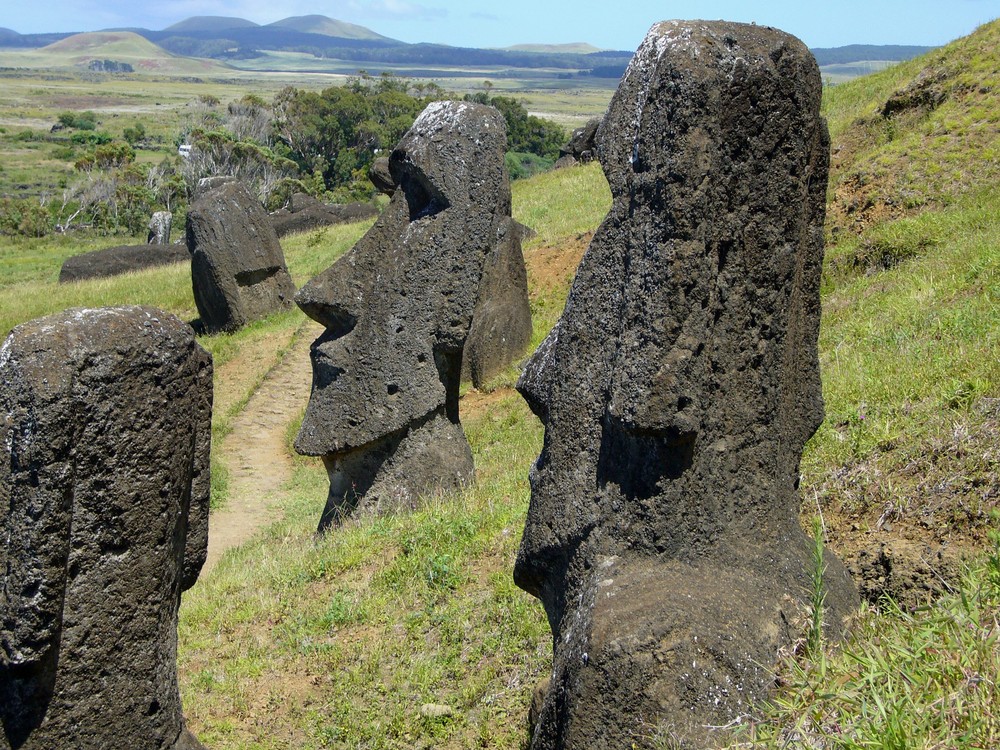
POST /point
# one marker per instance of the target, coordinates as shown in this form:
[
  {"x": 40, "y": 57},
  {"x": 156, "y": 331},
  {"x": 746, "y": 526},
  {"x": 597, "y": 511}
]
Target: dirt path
[{"x": 255, "y": 453}]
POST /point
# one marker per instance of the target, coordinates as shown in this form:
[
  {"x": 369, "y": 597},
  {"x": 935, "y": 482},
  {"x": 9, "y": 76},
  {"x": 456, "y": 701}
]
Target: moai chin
[
  {"x": 105, "y": 423},
  {"x": 398, "y": 309},
  {"x": 677, "y": 391}
]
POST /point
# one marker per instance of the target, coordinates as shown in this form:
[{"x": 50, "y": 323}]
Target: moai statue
[
  {"x": 238, "y": 271},
  {"x": 501, "y": 322},
  {"x": 105, "y": 423},
  {"x": 677, "y": 391},
  {"x": 159, "y": 228},
  {"x": 398, "y": 309}
]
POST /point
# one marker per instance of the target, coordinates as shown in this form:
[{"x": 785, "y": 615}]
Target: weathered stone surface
[
  {"x": 113, "y": 261},
  {"x": 381, "y": 176},
  {"x": 237, "y": 268},
  {"x": 159, "y": 228},
  {"x": 206, "y": 184},
  {"x": 501, "y": 322},
  {"x": 501, "y": 327},
  {"x": 677, "y": 392},
  {"x": 105, "y": 423},
  {"x": 305, "y": 213},
  {"x": 398, "y": 309}
]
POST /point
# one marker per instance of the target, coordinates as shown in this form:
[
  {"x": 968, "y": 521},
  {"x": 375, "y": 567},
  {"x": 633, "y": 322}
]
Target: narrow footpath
[{"x": 254, "y": 451}]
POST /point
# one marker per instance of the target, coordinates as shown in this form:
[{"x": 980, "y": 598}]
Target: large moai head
[
  {"x": 398, "y": 309},
  {"x": 238, "y": 271},
  {"x": 105, "y": 427},
  {"x": 678, "y": 390}
]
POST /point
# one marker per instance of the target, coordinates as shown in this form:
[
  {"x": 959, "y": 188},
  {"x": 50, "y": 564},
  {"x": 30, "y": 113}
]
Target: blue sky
[{"x": 617, "y": 24}]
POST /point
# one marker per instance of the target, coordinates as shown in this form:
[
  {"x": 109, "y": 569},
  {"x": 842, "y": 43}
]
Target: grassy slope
[
  {"x": 291, "y": 643},
  {"x": 340, "y": 644}
]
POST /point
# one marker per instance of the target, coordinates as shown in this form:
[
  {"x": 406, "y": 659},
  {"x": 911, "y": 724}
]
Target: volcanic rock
[
  {"x": 113, "y": 261},
  {"x": 582, "y": 145},
  {"x": 237, "y": 268},
  {"x": 399, "y": 308},
  {"x": 105, "y": 419},
  {"x": 677, "y": 392},
  {"x": 305, "y": 213},
  {"x": 159, "y": 228}
]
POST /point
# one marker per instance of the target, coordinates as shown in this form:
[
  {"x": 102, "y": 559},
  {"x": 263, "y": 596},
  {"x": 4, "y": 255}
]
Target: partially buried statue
[
  {"x": 399, "y": 308},
  {"x": 105, "y": 423},
  {"x": 677, "y": 391}
]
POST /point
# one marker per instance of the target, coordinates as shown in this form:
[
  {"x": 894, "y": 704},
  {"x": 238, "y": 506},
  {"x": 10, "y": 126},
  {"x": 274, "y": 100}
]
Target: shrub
[
  {"x": 134, "y": 134},
  {"x": 96, "y": 138},
  {"x": 78, "y": 120},
  {"x": 24, "y": 217},
  {"x": 521, "y": 164}
]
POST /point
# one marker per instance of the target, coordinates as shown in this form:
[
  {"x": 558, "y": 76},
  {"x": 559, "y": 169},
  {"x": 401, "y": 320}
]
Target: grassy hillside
[
  {"x": 121, "y": 46},
  {"x": 407, "y": 632},
  {"x": 919, "y": 135}
]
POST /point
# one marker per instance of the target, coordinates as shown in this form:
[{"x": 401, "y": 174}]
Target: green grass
[
  {"x": 896, "y": 344},
  {"x": 297, "y": 643},
  {"x": 340, "y": 642},
  {"x": 926, "y": 679}
]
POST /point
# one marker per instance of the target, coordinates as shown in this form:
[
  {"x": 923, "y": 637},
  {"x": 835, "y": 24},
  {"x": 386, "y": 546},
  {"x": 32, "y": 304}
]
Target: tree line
[{"x": 318, "y": 142}]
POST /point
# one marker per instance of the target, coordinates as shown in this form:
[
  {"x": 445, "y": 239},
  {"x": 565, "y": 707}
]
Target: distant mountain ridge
[
  {"x": 316, "y": 24},
  {"x": 211, "y": 23},
  {"x": 576, "y": 48},
  {"x": 865, "y": 52},
  {"x": 230, "y": 38}
]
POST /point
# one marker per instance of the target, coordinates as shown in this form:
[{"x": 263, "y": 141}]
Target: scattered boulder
[
  {"x": 677, "y": 393},
  {"x": 581, "y": 147},
  {"x": 305, "y": 213},
  {"x": 113, "y": 261},
  {"x": 105, "y": 417},
  {"x": 237, "y": 268},
  {"x": 924, "y": 94},
  {"x": 159, "y": 228},
  {"x": 398, "y": 309}
]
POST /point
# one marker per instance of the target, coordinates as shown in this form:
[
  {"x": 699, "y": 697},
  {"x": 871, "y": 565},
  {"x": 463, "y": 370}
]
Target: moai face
[
  {"x": 398, "y": 308},
  {"x": 104, "y": 491},
  {"x": 677, "y": 392}
]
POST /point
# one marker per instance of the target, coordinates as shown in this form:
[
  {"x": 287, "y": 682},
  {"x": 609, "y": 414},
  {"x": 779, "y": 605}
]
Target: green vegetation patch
[{"x": 344, "y": 642}]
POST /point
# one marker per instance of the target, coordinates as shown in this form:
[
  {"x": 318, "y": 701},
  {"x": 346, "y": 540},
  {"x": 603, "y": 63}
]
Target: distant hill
[
  {"x": 578, "y": 48},
  {"x": 329, "y": 27},
  {"x": 237, "y": 39},
  {"x": 211, "y": 24},
  {"x": 80, "y": 50}
]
